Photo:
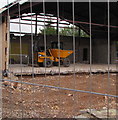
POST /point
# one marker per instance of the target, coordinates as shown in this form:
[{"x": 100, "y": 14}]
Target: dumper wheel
[
  {"x": 66, "y": 62},
  {"x": 47, "y": 62},
  {"x": 55, "y": 63}
]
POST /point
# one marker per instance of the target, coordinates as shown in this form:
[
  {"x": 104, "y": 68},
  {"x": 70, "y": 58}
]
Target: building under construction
[{"x": 94, "y": 46}]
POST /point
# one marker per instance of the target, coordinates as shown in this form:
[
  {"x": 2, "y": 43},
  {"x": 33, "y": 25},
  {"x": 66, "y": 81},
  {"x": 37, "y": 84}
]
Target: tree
[
  {"x": 48, "y": 31},
  {"x": 83, "y": 34},
  {"x": 69, "y": 31}
]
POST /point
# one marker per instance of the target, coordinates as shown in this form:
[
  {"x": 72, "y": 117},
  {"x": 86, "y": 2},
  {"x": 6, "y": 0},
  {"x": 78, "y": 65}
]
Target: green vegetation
[
  {"x": 48, "y": 31},
  {"x": 67, "y": 31},
  {"x": 83, "y": 34}
]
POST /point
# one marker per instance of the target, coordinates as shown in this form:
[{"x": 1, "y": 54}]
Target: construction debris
[
  {"x": 98, "y": 114},
  {"x": 51, "y": 102},
  {"x": 7, "y": 76}
]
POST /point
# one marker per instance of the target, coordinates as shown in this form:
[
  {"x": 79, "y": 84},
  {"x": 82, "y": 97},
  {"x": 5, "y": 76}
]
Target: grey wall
[
  {"x": 99, "y": 47},
  {"x": 67, "y": 42},
  {"x": 80, "y": 44},
  {"x": 83, "y": 43},
  {"x": 99, "y": 51},
  {"x": 113, "y": 52}
]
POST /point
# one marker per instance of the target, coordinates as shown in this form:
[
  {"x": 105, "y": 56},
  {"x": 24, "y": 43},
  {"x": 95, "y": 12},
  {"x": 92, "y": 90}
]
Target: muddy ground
[{"x": 27, "y": 101}]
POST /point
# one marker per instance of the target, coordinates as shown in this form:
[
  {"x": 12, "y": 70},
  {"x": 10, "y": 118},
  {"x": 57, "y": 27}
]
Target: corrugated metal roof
[
  {"x": 99, "y": 14},
  {"x": 2, "y": 10},
  {"x": 8, "y": 6}
]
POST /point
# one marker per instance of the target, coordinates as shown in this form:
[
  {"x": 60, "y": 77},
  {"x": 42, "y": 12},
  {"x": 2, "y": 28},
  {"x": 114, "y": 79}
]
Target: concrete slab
[
  {"x": 79, "y": 68},
  {"x": 104, "y": 113},
  {"x": 98, "y": 114}
]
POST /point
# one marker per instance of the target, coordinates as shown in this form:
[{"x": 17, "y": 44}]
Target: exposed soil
[{"x": 29, "y": 101}]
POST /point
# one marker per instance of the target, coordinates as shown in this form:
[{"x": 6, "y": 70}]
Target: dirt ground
[{"x": 27, "y": 101}]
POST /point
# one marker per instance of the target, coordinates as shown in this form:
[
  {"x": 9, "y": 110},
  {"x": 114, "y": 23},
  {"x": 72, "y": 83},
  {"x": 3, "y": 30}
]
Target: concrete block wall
[
  {"x": 80, "y": 43},
  {"x": 99, "y": 47},
  {"x": 67, "y": 42},
  {"x": 100, "y": 51},
  {"x": 113, "y": 52}
]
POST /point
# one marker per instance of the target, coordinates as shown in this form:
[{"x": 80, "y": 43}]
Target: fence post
[
  {"x": 4, "y": 51},
  {"x": 1, "y": 63}
]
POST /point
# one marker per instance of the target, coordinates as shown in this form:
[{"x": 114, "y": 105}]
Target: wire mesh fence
[{"x": 66, "y": 93}]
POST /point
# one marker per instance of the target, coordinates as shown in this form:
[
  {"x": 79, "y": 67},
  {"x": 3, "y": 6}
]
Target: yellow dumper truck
[{"x": 54, "y": 56}]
